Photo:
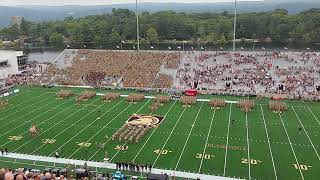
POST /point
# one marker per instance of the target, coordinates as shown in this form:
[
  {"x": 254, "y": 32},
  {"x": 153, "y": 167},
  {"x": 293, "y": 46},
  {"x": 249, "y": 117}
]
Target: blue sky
[{"x": 98, "y": 2}]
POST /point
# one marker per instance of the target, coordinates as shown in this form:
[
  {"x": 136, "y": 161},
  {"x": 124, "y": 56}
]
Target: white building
[{"x": 11, "y": 62}]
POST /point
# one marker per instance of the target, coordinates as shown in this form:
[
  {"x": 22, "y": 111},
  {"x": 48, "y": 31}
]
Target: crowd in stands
[
  {"x": 291, "y": 73},
  {"x": 130, "y": 69},
  {"x": 23, "y": 174}
]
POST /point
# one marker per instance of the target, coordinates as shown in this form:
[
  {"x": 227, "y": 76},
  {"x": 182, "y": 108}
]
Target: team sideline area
[{"x": 261, "y": 144}]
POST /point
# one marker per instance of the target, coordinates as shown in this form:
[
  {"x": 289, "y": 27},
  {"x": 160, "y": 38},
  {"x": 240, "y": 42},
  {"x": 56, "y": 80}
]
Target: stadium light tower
[
  {"x": 137, "y": 14},
  {"x": 234, "y": 26}
]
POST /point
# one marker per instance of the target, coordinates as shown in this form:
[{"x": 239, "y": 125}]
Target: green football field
[{"x": 261, "y": 144}]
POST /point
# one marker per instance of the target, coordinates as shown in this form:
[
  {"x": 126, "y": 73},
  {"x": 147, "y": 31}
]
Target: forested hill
[
  {"x": 278, "y": 26},
  {"x": 45, "y": 13}
]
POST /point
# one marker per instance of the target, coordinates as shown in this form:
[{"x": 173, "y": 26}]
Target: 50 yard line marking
[
  {"x": 127, "y": 142},
  {"x": 89, "y": 125},
  {"x": 152, "y": 133},
  {"x": 248, "y": 144},
  {"x": 265, "y": 126},
  {"x": 185, "y": 144},
  {"x": 205, "y": 146},
  {"x": 102, "y": 127},
  {"x": 226, "y": 153},
  {"x": 291, "y": 147},
  {"x": 306, "y": 133}
]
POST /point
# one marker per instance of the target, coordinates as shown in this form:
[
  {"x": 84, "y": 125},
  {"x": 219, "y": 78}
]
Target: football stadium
[
  {"x": 175, "y": 90},
  {"x": 195, "y": 131}
]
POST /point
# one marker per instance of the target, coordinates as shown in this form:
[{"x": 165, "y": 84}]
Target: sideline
[{"x": 110, "y": 166}]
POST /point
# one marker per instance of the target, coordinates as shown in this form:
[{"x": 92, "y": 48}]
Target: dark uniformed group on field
[
  {"x": 135, "y": 97},
  {"x": 109, "y": 96},
  {"x": 131, "y": 132},
  {"x": 187, "y": 101},
  {"x": 158, "y": 101},
  {"x": 246, "y": 105},
  {"x": 64, "y": 94},
  {"x": 133, "y": 167},
  {"x": 84, "y": 96},
  {"x": 278, "y": 106},
  {"x": 217, "y": 103}
]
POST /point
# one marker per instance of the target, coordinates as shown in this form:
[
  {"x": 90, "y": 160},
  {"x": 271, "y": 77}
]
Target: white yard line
[
  {"x": 226, "y": 153},
  {"x": 55, "y": 124},
  {"x": 265, "y": 126},
  {"x": 44, "y": 121},
  {"x": 248, "y": 144},
  {"x": 306, "y": 133},
  {"x": 25, "y": 122},
  {"x": 205, "y": 145},
  {"x": 70, "y": 125},
  {"x": 291, "y": 147},
  {"x": 23, "y": 102},
  {"x": 152, "y": 133},
  {"x": 87, "y": 126},
  {"x": 127, "y": 142},
  {"x": 185, "y": 144},
  {"x": 23, "y": 108},
  {"x": 102, "y": 127},
  {"x": 314, "y": 116},
  {"x": 174, "y": 127}
]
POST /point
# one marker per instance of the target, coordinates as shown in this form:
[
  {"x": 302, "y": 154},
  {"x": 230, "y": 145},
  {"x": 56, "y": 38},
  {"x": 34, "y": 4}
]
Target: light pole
[
  {"x": 183, "y": 45},
  {"x": 254, "y": 42},
  {"x": 122, "y": 41},
  {"x": 234, "y": 32},
  {"x": 137, "y": 14},
  {"x": 234, "y": 26}
]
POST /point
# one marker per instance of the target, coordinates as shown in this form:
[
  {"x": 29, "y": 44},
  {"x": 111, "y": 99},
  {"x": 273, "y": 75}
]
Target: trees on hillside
[{"x": 216, "y": 28}]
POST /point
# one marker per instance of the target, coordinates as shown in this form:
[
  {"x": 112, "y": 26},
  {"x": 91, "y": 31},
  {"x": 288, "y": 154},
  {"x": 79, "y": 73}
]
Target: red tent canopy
[{"x": 190, "y": 92}]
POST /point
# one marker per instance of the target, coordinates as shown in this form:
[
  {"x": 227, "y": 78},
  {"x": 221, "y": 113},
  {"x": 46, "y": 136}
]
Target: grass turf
[{"x": 262, "y": 144}]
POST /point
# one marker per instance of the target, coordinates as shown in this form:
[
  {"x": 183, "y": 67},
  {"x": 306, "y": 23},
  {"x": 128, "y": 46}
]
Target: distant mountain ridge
[{"x": 46, "y": 13}]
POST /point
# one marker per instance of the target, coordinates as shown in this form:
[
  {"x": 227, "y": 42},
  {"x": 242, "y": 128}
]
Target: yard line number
[
  {"x": 121, "y": 148},
  {"x": 162, "y": 152},
  {"x": 251, "y": 161},
  {"x": 302, "y": 166},
  {"x": 204, "y": 156}
]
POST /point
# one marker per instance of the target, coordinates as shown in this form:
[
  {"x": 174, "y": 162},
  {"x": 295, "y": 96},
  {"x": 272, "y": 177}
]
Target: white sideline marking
[
  {"x": 205, "y": 146},
  {"x": 291, "y": 147},
  {"x": 306, "y": 133},
  {"x": 265, "y": 126},
  {"x": 226, "y": 153},
  {"x": 185, "y": 144},
  {"x": 107, "y": 165}
]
